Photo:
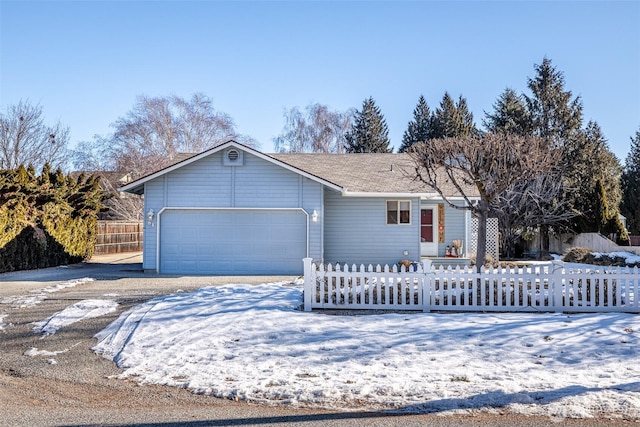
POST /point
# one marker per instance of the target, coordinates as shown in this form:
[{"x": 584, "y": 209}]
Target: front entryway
[{"x": 429, "y": 231}]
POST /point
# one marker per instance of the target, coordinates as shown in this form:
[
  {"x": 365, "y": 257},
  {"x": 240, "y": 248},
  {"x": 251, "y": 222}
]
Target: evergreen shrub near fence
[{"x": 48, "y": 219}]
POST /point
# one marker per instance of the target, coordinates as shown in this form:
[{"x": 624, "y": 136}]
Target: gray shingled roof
[
  {"x": 364, "y": 172},
  {"x": 350, "y": 173}
]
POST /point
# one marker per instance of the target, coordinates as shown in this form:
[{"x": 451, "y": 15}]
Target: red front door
[{"x": 428, "y": 241}]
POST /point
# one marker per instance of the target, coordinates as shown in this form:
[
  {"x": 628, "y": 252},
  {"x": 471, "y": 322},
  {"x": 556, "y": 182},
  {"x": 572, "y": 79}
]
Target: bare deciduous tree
[
  {"x": 488, "y": 164},
  {"x": 26, "y": 139},
  {"x": 317, "y": 130},
  {"x": 94, "y": 155},
  {"x": 121, "y": 206},
  {"x": 157, "y": 129},
  {"x": 149, "y": 138},
  {"x": 528, "y": 203}
]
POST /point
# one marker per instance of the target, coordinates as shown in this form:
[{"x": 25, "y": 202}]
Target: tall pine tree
[
  {"x": 420, "y": 128},
  {"x": 509, "y": 115},
  {"x": 601, "y": 214},
  {"x": 453, "y": 119},
  {"x": 630, "y": 206},
  {"x": 592, "y": 162},
  {"x": 556, "y": 117},
  {"x": 370, "y": 133},
  {"x": 555, "y": 114}
]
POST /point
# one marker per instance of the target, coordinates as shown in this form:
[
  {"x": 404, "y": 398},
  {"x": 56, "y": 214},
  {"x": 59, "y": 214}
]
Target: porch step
[{"x": 448, "y": 261}]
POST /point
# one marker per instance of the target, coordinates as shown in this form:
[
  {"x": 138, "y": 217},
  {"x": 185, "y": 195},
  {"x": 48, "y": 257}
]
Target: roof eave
[
  {"x": 347, "y": 193},
  {"x": 422, "y": 195},
  {"x": 138, "y": 189}
]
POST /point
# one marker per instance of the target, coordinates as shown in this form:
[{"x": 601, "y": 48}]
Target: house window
[{"x": 398, "y": 212}]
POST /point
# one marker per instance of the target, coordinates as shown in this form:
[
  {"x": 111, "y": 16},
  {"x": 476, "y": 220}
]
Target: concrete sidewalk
[{"x": 121, "y": 258}]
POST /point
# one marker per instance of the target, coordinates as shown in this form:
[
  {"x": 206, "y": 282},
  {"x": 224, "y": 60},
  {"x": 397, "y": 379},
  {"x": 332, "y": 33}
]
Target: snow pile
[
  {"x": 249, "y": 342},
  {"x": 34, "y": 352},
  {"x": 2, "y": 316},
  {"x": 39, "y": 295},
  {"x": 85, "y": 309}
]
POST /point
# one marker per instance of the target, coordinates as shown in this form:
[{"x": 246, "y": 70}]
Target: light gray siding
[
  {"x": 207, "y": 183},
  {"x": 262, "y": 184},
  {"x": 154, "y": 198},
  {"x": 356, "y": 231},
  {"x": 313, "y": 199}
]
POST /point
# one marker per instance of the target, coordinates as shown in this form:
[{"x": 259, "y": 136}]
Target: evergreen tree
[
  {"x": 592, "y": 162},
  {"x": 370, "y": 133},
  {"x": 420, "y": 128},
  {"x": 630, "y": 206},
  {"x": 453, "y": 119},
  {"x": 509, "y": 115},
  {"x": 607, "y": 221},
  {"x": 601, "y": 213},
  {"x": 556, "y": 116}
]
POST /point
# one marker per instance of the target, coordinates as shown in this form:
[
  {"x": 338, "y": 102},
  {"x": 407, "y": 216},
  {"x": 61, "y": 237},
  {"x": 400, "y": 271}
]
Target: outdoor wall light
[
  {"x": 405, "y": 253},
  {"x": 314, "y": 216},
  {"x": 150, "y": 217}
]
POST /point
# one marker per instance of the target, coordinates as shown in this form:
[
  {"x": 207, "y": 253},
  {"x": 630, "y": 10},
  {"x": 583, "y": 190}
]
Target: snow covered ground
[
  {"x": 85, "y": 309},
  {"x": 35, "y": 297},
  {"x": 252, "y": 343},
  {"x": 629, "y": 257}
]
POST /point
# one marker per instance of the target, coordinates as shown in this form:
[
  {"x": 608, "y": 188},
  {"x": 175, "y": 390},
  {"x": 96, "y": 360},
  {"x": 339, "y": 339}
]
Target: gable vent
[{"x": 232, "y": 157}]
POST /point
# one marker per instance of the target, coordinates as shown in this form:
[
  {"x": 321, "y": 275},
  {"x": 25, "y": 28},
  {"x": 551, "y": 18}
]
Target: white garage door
[{"x": 233, "y": 242}]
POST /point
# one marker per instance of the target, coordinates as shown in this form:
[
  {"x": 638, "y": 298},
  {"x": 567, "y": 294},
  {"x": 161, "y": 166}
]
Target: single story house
[{"x": 235, "y": 210}]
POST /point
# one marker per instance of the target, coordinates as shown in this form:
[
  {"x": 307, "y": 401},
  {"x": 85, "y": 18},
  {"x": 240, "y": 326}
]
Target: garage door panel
[{"x": 232, "y": 242}]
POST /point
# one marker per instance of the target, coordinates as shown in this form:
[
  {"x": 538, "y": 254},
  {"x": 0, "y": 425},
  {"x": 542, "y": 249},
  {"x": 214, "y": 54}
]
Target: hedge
[{"x": 47, "y": 220}]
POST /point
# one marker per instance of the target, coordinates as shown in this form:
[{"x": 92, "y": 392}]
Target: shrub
[
  {"x": 488, "y": 260},
  {"x": 47, "y": 220},
  {"x": 576, "y": 254},
  {"x": 585, "y": 256}
]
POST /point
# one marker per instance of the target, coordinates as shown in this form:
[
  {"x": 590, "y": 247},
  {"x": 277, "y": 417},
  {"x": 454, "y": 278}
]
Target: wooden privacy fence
[
  {"x": 425, "y": 287},
  {"x": 119, "y": 236}
]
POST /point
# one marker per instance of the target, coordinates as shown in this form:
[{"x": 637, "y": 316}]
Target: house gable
[
  {"x": 212, "y": 216},
  {"x": 137, "y": 186}
]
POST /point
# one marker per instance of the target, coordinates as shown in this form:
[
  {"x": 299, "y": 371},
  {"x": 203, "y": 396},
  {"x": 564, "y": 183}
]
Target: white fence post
[
  {"x": 559, "y": 290},
  {"x": 426, "y": 285},
  {"x": 309, "y": 284}
]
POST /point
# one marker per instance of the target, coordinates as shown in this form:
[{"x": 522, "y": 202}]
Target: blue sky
[{"x": 85, "y": 62}]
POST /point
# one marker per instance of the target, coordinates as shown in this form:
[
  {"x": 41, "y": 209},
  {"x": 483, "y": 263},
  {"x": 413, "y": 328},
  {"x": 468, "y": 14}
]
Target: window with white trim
[{"x": 398, "y": 211}]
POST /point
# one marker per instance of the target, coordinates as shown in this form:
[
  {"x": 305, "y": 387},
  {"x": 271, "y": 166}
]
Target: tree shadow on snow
[
  {"x": 499, "y": 399},
  {"x": 492, "y": 399}
]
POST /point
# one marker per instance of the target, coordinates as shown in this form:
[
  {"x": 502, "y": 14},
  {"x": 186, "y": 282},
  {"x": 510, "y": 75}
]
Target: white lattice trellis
[{"x": 492, "y": 237}]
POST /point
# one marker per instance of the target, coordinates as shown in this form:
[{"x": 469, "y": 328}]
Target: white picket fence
[{"x": 424, "y": 287}]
